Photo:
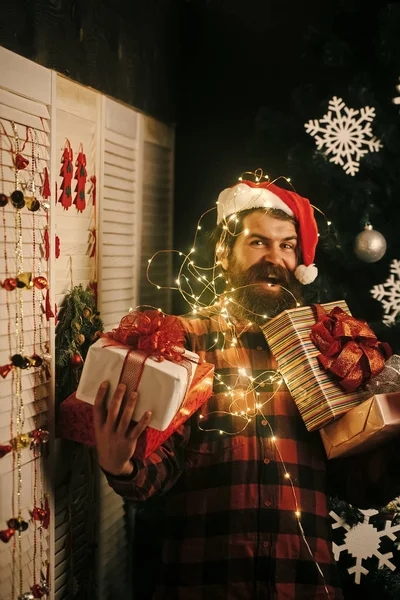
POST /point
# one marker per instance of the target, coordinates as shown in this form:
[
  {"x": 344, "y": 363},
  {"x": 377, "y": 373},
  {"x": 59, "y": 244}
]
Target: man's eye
[
  {"x": 288, "y": 246},
  {"x": 257, "y": 243}
]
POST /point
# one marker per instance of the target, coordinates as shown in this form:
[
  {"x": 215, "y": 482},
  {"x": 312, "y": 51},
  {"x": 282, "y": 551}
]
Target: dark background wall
[
  {"x": 125, "y": 48},
  {"x": 237, "y": 56}
]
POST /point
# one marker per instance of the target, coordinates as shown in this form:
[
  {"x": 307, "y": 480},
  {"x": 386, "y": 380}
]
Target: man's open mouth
[{"x": 271, "y": 280}]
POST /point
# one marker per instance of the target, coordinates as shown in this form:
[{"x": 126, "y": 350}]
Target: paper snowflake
[
  {"x": 388, "y": 294},
  {"x": 397, "y": 99},
  {"x": 345, "y": 133},
  {"x": 363, "y": 541}
]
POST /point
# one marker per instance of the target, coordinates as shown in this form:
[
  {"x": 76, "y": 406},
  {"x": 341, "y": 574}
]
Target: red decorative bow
[
  {"x": 349, "y": 348},
  {"x": 152, "y": 332}
]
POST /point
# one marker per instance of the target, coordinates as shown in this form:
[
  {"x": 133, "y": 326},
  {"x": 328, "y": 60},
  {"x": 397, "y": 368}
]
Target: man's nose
[{"x": 273, "y": 255}]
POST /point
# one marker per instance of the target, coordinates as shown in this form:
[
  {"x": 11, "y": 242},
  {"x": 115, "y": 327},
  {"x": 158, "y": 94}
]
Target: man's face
[{"x": 262, "y": 265}]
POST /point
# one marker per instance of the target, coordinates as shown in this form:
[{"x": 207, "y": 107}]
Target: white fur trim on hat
[
  {"x": 242, "y": 197},
  {"x": 305, "y": 274}
]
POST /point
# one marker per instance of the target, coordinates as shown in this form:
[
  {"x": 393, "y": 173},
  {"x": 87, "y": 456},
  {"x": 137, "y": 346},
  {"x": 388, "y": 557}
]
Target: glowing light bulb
[
  {"x": 297, "y": 513},
  {"x": 258, "y": 405},
  {"x": 158, "y": 287},
  {"x": 298, "y": 304},
  {"x": 149, "y": 261},
  {"x": 201, "y": 416},
  {"x": 198, "y": 226},
  {"x": 177, "y": 281},
  {"x": 224, "y": 227},
  {"x": 288, "y": 179},
  {"x": 287, "y": 475},
  {"x": 273, "y": 438},
  {"x": 217, "y": 202},
  {"x": 192, "y": 250},
  {"x": 221, "y": 432},
  {"x": 329, "y": 222}
]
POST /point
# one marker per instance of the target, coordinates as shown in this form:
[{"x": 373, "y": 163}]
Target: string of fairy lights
[{"x": 215, "y": 298}]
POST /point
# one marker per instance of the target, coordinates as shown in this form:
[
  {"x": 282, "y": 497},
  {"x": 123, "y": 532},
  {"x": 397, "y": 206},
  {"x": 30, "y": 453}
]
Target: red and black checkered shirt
[{"x": 231, "y": 529}]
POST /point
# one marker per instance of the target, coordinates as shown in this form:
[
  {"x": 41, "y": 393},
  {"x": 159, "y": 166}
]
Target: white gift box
[{"x": 162, "y": 386}]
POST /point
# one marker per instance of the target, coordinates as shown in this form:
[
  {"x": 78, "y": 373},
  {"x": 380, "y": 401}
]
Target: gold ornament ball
[
  {"x": 87, "y": 312},
  {"x": 370, "y": 245}
]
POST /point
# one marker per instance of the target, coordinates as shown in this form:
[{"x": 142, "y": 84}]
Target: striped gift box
[{"x": 318, "y": 397}]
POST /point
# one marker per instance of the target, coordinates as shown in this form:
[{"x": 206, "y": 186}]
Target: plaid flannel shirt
[{"x": 230, "y": 529}]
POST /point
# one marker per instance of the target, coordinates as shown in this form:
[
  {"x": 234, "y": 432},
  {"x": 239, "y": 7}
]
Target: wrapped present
[
  {"x": 365, "y": 426},
  {"x": 317, "y": 392},
  {"x": 146, "y": 354},
  {"x": 76, "y": 417}
]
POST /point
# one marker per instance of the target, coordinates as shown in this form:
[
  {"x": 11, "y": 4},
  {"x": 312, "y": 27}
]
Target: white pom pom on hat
[{"x": 247, "y": 194}]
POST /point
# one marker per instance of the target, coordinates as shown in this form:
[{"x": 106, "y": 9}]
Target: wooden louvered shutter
[
  {"x": 25, "y": 99},
  {"x": 157, "y": 213},
  {"x": 120, "y": 198}
]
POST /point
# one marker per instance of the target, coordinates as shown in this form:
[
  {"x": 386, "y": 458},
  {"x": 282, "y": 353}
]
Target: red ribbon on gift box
[
  {"x": 349, "y": 348},
  {"x": 152, "y": 332}
]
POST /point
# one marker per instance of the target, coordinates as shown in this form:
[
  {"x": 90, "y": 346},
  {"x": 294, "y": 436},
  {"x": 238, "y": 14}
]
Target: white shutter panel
[
  {"x": 157, "y": 213},
  {"x": 118, "y": 249},
  {"x": 25, "y": 99},
  {"x": 78, "y": 118}
]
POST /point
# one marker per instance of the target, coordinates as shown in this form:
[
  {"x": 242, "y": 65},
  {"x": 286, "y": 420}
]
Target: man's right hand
[{"x": 116, "y": 434}]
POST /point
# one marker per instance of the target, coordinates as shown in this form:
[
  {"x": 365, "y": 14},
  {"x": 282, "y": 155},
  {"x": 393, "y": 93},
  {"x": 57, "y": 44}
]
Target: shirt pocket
[{"x": 210, "y": 437}]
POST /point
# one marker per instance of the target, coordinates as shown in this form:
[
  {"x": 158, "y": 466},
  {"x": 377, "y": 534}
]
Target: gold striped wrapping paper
[{"x": 319, "y": 398}]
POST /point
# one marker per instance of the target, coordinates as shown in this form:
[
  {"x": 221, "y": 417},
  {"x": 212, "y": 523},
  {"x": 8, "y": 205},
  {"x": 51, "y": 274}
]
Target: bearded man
[{"x": 246, "y": 483}]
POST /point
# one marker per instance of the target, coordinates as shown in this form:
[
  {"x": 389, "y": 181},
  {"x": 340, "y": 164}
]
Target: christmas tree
[{"x": 338, "y": 139}]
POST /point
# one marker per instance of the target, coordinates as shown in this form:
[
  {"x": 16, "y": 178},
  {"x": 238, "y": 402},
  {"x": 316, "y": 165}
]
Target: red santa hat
[{"x": 247, "y": 194}]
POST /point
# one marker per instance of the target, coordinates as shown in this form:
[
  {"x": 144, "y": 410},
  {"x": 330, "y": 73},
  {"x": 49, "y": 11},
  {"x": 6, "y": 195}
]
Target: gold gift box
[{"x": 362, "y": 428}]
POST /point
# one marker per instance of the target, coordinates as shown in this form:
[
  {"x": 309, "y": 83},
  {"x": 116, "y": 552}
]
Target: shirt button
[
  {"x": 267, "y": 503},
  {"x": 259, "y": 348},
  {"x": 266, "y": 461},
  {"x": 265, "y": 544},
  {"x": 263, "y": 422}
]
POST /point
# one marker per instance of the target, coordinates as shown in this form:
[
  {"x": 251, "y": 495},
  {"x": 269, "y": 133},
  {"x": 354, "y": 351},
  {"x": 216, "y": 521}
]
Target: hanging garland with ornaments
[{"x": 78, "y": 327}]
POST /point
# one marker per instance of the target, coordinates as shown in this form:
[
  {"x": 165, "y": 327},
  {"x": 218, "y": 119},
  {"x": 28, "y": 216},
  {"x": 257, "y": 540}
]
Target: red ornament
[
  {"x": 49, "y": 312},
  {"x": 38, "y": 591},
  {"x": 76, "y": 361},
  {"x": 46, "y": 240},
  {"x": 21, "y": 162},
  {"x": 5, "y": 450},
  {"x": 6, "y": 534},
  {"x": 46, "y": 193},
  {"x": 80, "y": 176},
  {"x": 38, "y": 513},
  {"x": 5, "y": 369},
  {"x": 66, "y": 173},
  {"x": 39, "y": 436},
  {"x": 40, "y": 282},
  {"x": 57, "y": 247},
  {"x": 10, "y": 284}
]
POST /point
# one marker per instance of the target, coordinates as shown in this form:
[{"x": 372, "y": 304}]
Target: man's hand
[{"x": 116, "y": 435}]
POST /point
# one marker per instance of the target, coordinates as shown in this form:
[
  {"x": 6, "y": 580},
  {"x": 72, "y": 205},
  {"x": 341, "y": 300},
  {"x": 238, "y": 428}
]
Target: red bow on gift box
[
  {"x": 349, "y": 348},
  {"x": 152, "y": 332}
]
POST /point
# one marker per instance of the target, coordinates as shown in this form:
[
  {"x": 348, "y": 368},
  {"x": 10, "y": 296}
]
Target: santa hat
[{"x": 246, "y": 195}]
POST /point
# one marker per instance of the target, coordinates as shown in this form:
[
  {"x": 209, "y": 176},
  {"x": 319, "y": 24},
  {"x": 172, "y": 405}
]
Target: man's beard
[{"x": 255, "y": 302}]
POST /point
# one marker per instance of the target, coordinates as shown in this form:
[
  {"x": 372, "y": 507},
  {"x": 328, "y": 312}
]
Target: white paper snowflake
[
  {"x": 345, "y": 133},
  {"x": 396, "y": 100},
  {"x": 363, "y": 541},
  {"x": 388, "y": 294}
]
